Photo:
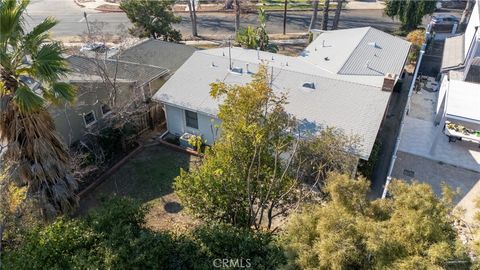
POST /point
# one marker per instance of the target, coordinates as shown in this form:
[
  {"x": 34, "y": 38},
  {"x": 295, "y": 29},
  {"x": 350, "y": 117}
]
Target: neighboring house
[
  {"x": 156, "y": 52},
  {"x": 135, "y": 85},
  {"x": 459, "y": 95},
  {"x": 138, "y": 72},
  {"x": 429, "y": 148},
  {"x": 343, "y": 79}
]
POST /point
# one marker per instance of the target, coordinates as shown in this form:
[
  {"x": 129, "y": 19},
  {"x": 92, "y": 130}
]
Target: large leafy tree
[
  {"x": 412, "y": 229},
  {"x": 152, "y": 18},
  {"x": 31, "y": 69},
  {"x": 253, "y": 173},
  {"x": 409, "y": 12}
]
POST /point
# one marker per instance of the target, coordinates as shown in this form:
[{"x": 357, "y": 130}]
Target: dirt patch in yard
[{"x": 148, "y": 177}]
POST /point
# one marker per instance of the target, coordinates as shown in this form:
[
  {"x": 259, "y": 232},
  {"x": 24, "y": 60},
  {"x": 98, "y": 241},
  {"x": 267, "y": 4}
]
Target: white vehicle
[{"x": 94, "y": 47}]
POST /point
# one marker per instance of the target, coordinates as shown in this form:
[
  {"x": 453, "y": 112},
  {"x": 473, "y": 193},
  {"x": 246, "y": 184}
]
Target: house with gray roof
[
  {"x": 343, "y": 79},
  {"x": 135, "y": 84},
  {"x": 156, "y": 52}
]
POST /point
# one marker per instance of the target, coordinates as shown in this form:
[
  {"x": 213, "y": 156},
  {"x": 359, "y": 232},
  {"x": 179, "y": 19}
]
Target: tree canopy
[
  {"x": 409, "y": 12},
  {"x": 412, "y": 229},
  {"x": 252, "y": 175},
  {"x": 152, "y": 18},
  {"x": 114, "y": 237},
  {"x": 256, "y": 38}
]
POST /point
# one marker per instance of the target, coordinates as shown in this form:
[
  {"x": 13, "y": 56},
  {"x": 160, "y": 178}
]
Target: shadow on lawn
[{"x": 147, "y": 177}]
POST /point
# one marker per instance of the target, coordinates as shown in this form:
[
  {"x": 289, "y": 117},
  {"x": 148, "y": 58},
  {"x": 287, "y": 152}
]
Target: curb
[
  {"x": 108, "y": 10},
  {"x": 78, "y": 4},
  {"x": 109, "y": 172}
]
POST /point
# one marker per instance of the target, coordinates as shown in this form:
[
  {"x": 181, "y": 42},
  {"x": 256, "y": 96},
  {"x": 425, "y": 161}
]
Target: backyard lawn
[{"x": 148, "y": 177}]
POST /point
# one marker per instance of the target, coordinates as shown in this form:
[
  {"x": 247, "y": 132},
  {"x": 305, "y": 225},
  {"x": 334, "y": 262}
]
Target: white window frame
[
  {"x": 107, "y": 113},
  {"x": 94, "y": 117},
  {"x": 186, "y": 122}
]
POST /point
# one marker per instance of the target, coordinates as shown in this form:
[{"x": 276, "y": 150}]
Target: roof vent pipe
[
  {"x": 258, "y": 53},
  {"x": 246, "y": 68}
]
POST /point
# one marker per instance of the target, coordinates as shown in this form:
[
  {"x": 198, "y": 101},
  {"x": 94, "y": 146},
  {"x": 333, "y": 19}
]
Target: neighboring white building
[
  {"x": 459, "y": 95},
  {"x": 343, "y": 79}
]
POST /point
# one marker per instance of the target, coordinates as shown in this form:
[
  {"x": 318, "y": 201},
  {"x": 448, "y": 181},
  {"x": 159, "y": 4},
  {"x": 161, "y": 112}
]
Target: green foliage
[
  {"x": 417, "y": 38},
  {"x": 152, "y": 18},
  {"x": 46, "y": 64},
  {"x": 114, "y": 237},
  {"x": 251, "y": 175},
  {"x": 256, "y": 37},
  {"x": 226, "y": 241},
  {"x": 243, "y": 169},
  {"x": 410, "y": 230},
  {"x": 365, "y": 168},
  {"x": 32, "y": 67},
  {"x": 409, "y": 12}
]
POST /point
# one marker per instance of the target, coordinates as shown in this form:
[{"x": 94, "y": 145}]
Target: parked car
[
  {"x": 94, "y": 47},
  {"x": 444, "y": 19}
]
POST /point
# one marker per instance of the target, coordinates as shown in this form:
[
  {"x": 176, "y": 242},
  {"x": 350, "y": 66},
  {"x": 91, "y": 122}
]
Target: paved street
[{"x": 72, "y": 22}]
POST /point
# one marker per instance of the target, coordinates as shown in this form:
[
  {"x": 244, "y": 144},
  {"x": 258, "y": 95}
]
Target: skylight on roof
[
  {"x": 309, "y": 85},
  {"x": 237, "y": 70}
]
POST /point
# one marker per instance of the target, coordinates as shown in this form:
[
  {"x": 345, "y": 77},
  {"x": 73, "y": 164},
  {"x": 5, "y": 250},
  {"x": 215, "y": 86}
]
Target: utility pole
[
  {"x": 285, "y": 18},
  {"x": 88, "y": 26}
]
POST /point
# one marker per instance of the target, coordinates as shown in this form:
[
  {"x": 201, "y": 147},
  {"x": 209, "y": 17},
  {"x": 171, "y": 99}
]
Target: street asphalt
[{"x": 72, "y": 21}]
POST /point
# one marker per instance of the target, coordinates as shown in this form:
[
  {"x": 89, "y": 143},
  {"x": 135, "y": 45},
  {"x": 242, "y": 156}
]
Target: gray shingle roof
[
  {"x": 122, "y": 70},
  {"x": 354, "y": 103},
  {"x": 158, "y": 53}
]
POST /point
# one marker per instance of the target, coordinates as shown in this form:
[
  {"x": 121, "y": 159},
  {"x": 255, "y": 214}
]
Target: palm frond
[
  {"x": 48, "y": 65},
  {"x": 39, "y": 35},
  {"x": 60, "y": 91},
  {"x": 26, "y": 100},
  {"x": 11, "y": 14}
]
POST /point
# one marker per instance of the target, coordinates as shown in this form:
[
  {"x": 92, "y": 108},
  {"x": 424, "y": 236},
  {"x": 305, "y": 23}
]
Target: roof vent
[
  {"x": 326, "y": 58},
  {"x": 373, "y": 44},
  {"x": 309, "y": 85},
  {"x": 238, "y": 70}
]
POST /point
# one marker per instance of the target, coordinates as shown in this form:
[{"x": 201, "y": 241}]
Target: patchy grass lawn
[{"x": 148, "y": 177}]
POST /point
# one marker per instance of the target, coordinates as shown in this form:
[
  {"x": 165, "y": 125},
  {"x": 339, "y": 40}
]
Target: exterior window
[
  {"x": 89, "y": 118},
  {"x": 191, "y": 119},
  {"x": 106, "y": 109}
]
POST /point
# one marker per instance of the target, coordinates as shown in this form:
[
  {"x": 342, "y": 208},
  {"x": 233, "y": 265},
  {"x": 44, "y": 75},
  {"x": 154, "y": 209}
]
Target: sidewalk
[{"x": 104, "y": 6}]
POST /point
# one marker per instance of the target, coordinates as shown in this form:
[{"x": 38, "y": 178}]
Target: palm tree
[
  {"x": 313, "y": 21},
  {"x": 325, "y": 14},
  {"x": 37, "y": 158},
  {"x": 338, "y": 11}
]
